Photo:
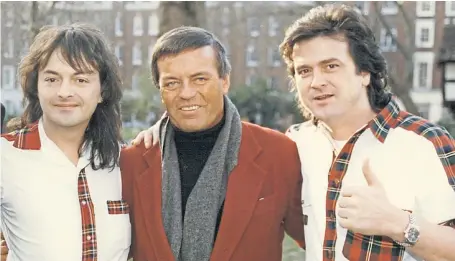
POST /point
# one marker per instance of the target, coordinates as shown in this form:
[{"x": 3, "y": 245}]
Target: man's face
[
  {"x": 68, "y": 98},
  {"x": 192, "y": 90},
  {"x": 327, "y": 80}
]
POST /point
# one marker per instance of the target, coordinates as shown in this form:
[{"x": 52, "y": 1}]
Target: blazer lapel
[
  {"x": 243, "y": 189},
  {"x": 149, "y": 187}
]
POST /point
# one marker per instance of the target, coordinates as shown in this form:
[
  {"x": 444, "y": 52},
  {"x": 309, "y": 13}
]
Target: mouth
[
  {"x": 66, "y": 106},
  {"x": 323, "y": 97},
  {"x": 190, "y": 108}
]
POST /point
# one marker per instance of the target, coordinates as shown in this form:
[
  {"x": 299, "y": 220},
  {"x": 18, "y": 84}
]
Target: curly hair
[{"x": 336, "y": 20}]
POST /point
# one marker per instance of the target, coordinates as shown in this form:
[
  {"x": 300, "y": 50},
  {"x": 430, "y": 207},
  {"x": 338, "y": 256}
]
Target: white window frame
[
  {"x": 448, "y": 8},
  {"x": 8, "y": 82},
  {"x": 137, "y": 54},
  {"x": 151, "y": 45},
  {"x": 154, "y": 25},
  {"x": 425, "y": 13},
  {"x": 386, "y": 41},
  {"x": 423, "y": 57},
  {"x": 120, "y": 55},
  {"x": 250, "y": 51},
  {"x": 422, "y": 24},
  {"x": 9, "y": 50},
  {"x": 391, "y": 9},
  {"x": 9, "y": 18},
  {"x": 254, "y": 32},
  {"x": 138, "y": 25},
  {"x": 118, "y": 24},
  {"x": 271, "y": 52},
  {"x": 274, "y": 25}
]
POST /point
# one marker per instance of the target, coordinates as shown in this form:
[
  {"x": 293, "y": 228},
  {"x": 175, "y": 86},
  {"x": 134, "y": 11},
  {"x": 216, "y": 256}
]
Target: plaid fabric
[
  {"x": 115, "y": 207},
  {"x": 360, "y": 247},
  {"x": 29, "y": 139},
  {"x": 89, "y": 244},
  {"x": 26, "y": 138}
]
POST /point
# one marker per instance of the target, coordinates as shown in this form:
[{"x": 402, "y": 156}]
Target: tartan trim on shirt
[
  {"x": 89, "y": 240},
  {"x": 26, "y": 138},
  {"x": 116, "y": 207},
  {"x": 360, "y": 247},
  {"x": 336, "y": 175}
]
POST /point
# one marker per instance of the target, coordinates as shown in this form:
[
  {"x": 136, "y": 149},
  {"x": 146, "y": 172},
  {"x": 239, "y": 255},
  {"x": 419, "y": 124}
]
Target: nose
[
  {"x": 65, "y": 90},
  {"x": 318, "y": 80},
  {"x": 187, "y": 91}
]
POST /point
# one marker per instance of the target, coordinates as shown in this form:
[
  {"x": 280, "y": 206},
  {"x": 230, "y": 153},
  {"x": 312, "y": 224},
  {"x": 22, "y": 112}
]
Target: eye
[
  {"x": 200, "y": 80},
  {"x": 171, "y": 84},
  {"x": 50, "y": 79},
  {"x": 81, "y": 80},
  {"x": 332, "y": 66},
  {"x": 304, "y": 71}
]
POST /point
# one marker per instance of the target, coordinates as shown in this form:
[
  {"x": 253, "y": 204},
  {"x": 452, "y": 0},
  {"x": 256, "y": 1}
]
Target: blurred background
[{"x": 417, "y": 38}]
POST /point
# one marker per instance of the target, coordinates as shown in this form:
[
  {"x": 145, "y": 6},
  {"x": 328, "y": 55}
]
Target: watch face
[{"x": 413, "y": 234}]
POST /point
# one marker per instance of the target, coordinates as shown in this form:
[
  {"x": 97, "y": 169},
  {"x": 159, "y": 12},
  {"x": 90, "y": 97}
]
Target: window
[
  {"x": 135, "y": 82},
  {"x": 225, "y": 17},
  {"x": 425, "y": 8},
  {"x": 9, "y": 50},
  {"x": 423, "y": 74},
  {"x": 137, "y": 25},
  {"x": 274, "y": 57},
  {"x": 252, "y": 56},
  {"x": 251, "y": 79},
  {"x": 272, "y": 82},
  {"x": 9, "y": 108},
  {"x": 154, "y": 24},
  {"x": 9, "y": 18},
  {"x": 152, "y": 44},
  {"x": 253, "y": 26},
  {"x": 423, "y": 70},
  {"x": 8, "y": 77},
  {"x": 424, "y": 37},
  {"x": 25, "y": 47},
  {"x": 137, "y": 54},
  {"x": 424, "y": 110},
  {"x": 387, "y": 41},
  {"x": 362, "y": 7},
  {"x": 389, "y": 8},
  {"x": 119, "y": 53},
  {"x": 450, "y": 8},
  {"x": 118, "y": 24},
  {"x": 273, "y": 26}
]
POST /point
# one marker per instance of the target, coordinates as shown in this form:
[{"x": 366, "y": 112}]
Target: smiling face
[
  {"x": 192, "y": 90},
  {"x": 327, "y": 79},
  {"x": 67, "y": 97}
]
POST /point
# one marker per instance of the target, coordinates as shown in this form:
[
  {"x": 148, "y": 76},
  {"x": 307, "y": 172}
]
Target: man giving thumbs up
[{"x": 401, "y": 205}]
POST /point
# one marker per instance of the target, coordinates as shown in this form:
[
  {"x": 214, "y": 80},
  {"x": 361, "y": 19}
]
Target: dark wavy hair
[
  {"x": 341, "y": 20},
  {"x": 186, "y": 38},
  {"x": 84, "y": 48}
]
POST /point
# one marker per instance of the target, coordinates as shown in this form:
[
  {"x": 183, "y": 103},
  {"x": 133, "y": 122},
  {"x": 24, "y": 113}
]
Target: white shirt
[
  {"x": 406, "y": 164},
  {"x": 40, "y": 209}
]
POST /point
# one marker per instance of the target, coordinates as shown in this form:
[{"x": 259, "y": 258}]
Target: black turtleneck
[{"x": 193, "y": 150}]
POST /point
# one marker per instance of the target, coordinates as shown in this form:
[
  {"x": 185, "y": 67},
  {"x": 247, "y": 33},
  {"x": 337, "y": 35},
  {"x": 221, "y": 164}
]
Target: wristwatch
[{"x": 411, "y": 233}]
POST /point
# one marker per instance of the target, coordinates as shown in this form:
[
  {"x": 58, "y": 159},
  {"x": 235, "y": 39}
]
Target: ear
[
  {"x": 100, "y": 100},
  {"x": 365, "y": 78},
  {"x": 226, "y": 83}
]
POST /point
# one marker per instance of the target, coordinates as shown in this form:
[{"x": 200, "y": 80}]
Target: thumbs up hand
[{"x": 367, "y": 210}]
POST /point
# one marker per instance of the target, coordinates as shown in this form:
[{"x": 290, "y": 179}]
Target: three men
[
  {"x": 211, "y": 187},
  {"x": 379, "y": 183},
  {"x": 60, "y": 185}
]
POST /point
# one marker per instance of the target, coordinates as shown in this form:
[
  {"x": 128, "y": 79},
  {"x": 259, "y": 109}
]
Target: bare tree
[
  {"x": 174, "y": 14},
  {"x": 401, "y": 84}
]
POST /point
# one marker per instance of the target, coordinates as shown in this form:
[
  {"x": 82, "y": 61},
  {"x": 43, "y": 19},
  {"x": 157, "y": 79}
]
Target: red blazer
[{"x": 263, "y": 200}]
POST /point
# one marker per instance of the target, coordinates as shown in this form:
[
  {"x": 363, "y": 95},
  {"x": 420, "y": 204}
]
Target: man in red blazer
[{"x": 211, "y": 187}]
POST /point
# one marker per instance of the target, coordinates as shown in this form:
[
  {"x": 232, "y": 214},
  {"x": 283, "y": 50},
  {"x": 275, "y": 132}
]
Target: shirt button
[
  {"x": 84, "y": 202},
  {"x": 89, "y": 237}
]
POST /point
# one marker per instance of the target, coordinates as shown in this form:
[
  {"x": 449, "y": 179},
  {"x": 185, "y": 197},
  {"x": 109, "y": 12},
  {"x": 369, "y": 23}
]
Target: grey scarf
[{"x": 193, "y": 240}]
